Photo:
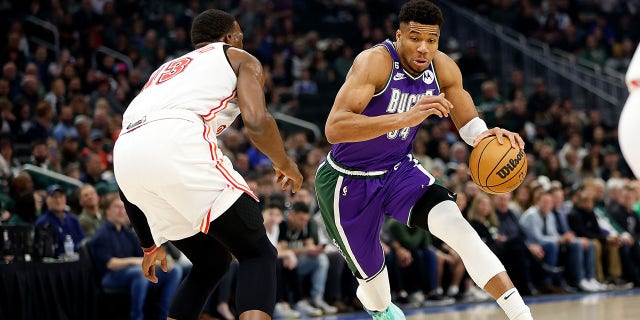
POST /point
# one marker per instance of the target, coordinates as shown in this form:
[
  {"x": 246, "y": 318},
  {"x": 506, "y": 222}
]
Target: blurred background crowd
[{"x": 574, "y": 224}]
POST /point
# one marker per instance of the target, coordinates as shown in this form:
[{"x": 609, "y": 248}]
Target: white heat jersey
[
  {"x": 633, "y": 73},
  {"x": 201, "y": 81}
]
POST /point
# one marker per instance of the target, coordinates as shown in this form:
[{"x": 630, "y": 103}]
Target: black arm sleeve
[{"x": 139, "y": 222}]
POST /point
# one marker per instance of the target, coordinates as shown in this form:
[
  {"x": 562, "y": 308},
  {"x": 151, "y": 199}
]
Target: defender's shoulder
[{"x": 238, "y": 57}]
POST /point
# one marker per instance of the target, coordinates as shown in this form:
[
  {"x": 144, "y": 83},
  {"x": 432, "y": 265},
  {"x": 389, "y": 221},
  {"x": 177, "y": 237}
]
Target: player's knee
[
  {"x": 445, "y": 219},
  {"x": 420, "y": 214},
  {"x": 263, "y": 250}
]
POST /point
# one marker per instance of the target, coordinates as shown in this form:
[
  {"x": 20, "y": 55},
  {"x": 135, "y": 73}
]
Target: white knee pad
[
  {"x": 375, "y": 293},
  {"x": 629, "y": 131},
  {"x": 447, "y": 223}
]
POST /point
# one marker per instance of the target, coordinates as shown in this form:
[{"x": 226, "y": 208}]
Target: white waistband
[
  {"x": 159, "y": 115},
  {"x": 348, "y": 172}
]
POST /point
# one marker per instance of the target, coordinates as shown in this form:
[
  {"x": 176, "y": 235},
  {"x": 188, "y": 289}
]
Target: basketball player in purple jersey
[
  {"x": 370, "y": 172},
  {"x": 628, "y": 129}
]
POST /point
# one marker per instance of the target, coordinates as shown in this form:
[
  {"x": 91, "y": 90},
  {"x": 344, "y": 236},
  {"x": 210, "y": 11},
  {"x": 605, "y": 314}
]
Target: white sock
[
  {"x": 375, "y": 294},
  {"x": 452, "y": 291},
  {"x": 513, "y": 305}
]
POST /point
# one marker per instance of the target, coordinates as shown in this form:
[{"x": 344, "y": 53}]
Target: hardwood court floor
[
  {"x": 604, "y": 306},
  {"x": 617, "y": 305}
]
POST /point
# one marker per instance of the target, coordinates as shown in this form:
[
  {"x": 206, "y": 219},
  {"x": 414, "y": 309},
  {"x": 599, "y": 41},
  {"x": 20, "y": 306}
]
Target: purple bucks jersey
[{"x": 400, "y": 94}]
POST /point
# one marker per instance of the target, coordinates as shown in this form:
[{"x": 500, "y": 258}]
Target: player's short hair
[
  {"x": 210, "y": 26},
  {"x": 421, "y": 11}
]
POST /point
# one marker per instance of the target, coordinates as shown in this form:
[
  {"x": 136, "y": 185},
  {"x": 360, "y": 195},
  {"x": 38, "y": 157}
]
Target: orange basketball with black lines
[{"x": 497, "y": 168}]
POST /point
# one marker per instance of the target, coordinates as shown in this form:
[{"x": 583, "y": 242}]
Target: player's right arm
[
  {"x": 369, "y": 74},
  {"x": 261, "y": 126}
]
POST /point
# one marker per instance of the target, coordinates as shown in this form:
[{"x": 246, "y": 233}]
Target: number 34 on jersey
[{"x": 402, "y": 102}]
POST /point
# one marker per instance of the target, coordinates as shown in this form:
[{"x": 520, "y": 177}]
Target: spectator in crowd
[
  {"x": 41, "y": 157},
  {"x": 473, "y": 67},
  {"x": 287, "y": 261},
  {"x": 540, "y": 100},
  {"x": 118, "y": 256},
  {"x": 8, "y": 164},
  {"x": 300, "y": 234},
  {"x": 490, "y": 103},
  {"x": 608, "y": 225},
  {"x": 42, "y": 126},
  {"x": 91, "y": 215},
  {"x": 64, "y": 127},
  {"x": 82, "y": 123},
  {"x": 624, "y": 215},
  {"x": 93, "y": 169},
  {"x": 584, "y": 222},
  {"x": 59, "y": 219},
  {"x": 69, "y": 152},
  {"x": 333, "y": 289},
  {"x": 511, "y": 252},
  {"x": 57, "y": 97},
  {"x": 421, "y": 272},
  {"x": 28, "y": 203},
  {"x": 629, "y": 220},
  {"x": 531, "y": 273},
  {"x": 521, "y": 201},
  {"x": 539, "y": 222}
]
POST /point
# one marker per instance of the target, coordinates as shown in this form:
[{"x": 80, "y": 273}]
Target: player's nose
[{"x": 423, "y": 48}]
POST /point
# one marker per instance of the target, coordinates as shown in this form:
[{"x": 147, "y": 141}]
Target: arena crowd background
[{"x": 550, "y": 70}]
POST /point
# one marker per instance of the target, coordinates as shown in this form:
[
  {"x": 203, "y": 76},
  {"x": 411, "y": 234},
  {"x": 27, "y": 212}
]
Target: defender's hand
[
  {"x": 514, "y": 138},
  {"x": 149, "y": 264},
  {"x": 289, "y": 176}
]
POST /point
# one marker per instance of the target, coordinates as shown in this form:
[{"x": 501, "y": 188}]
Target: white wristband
[{"x": 470, "y": 131}]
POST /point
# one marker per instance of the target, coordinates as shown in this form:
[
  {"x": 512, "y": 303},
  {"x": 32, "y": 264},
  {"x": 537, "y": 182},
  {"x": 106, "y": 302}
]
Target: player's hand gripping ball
[{"x": 497, "y": 168}]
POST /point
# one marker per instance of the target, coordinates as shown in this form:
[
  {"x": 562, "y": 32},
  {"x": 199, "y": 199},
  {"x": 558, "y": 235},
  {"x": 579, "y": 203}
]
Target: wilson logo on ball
[{"x": 510, "y": 166}]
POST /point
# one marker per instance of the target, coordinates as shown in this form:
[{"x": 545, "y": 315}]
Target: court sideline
[{"x": 614, "y": 305}]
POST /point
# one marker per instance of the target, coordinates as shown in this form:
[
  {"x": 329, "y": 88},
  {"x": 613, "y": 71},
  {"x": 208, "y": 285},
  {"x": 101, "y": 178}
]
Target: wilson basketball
[{"x": 497, "y": 168}]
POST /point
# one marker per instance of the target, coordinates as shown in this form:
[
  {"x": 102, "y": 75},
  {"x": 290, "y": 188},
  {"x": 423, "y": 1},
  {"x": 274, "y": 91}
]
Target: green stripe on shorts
[{"x": 327, "y": 179}]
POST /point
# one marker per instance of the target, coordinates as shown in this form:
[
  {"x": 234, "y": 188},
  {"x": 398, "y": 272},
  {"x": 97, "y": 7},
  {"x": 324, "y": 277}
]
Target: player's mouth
[{"x": 421, "y": 63}]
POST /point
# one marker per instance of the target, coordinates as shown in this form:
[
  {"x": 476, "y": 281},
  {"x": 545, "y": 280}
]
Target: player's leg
[
  {"x": 629, "y": 131},
  {"x": 437, "y": 212},
  {"x": 351, "y": 212},
  {"x": 210, "y": 263},
  {"x": 414, "y": 199},
  {"x": 240, "y": 229}
]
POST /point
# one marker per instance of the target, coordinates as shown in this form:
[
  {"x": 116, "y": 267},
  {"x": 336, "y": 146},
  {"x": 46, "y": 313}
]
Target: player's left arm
[
  {"x": 140, "y": 224},
  {"x": 464, "y": 114},
  {"x": 152, "y": 253}
]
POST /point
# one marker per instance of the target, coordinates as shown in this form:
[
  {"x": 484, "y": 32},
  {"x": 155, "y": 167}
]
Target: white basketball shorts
[
  {"x": 169, "y": 165},
  {"x": 629, "y": 132}
]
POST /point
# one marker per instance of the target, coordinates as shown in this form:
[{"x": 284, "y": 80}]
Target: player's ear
[
  {"x": 398, "y": 34},
  {"x": 227, "y": 38}
]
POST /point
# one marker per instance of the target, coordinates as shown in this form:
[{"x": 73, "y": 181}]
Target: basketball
[{"x": 497, "y": 168}]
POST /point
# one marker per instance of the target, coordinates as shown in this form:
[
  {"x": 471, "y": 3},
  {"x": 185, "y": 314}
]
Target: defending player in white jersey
[
  {"x": 628, "y": 128},
  {"x": 178, "y": 186}
]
